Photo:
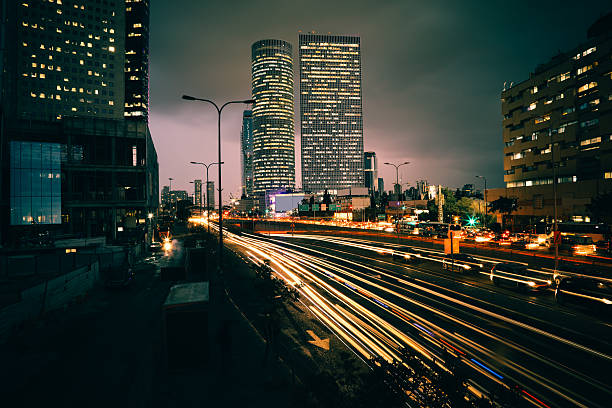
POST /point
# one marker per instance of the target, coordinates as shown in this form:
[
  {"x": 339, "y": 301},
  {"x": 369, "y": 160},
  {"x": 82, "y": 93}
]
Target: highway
[{"x": 551, "y": 356}]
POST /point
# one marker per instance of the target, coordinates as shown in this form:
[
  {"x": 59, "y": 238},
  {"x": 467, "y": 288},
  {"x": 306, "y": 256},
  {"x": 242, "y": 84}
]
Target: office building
[
  {"x": 210, "y": 195},
  {"x": 273, "y": 126},
  {"x": 381, "y": 185},
  {"x": 331, "y": 112},
  {"x": 557, "y": 128},
  {"x": 370, "y": 166},
  {"x": 137, "y": 59},
  {"x": 197, "y": 193},
  {"x": 70, "y": 161},
  {"x": 246, "y": 153}
]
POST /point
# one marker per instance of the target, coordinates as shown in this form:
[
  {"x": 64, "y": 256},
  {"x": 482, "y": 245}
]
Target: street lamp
[
  {"x": 207, "y": 195},
  {"x": 485, "y": 200},
  {"x": 397, "y": 166},
  {"x": 219, "y": 110}
]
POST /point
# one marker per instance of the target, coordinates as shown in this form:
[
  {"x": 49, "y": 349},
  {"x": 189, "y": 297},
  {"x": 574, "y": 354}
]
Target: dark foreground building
[
  {"x": 72, "y": 164},
  {"x": 561, "y": 116}
]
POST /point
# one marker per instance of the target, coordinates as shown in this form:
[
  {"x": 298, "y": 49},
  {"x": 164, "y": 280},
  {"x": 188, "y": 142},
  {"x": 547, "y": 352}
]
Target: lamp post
[
  {"x": 219, "y": 110},
  {"x": 485, "y": 200},
  {"x": 397, "y": 166},
  {"x": 207, "y": 196}
]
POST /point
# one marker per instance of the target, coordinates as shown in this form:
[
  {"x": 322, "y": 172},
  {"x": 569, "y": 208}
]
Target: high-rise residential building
[
  {"x": 137, "y": 59},
  {"x": 370, "y": 166},
  {"x": 331, "y": 112},
  {"x": 273, "y": 127},
  {"x": 210, "y": 195},
  {"x": 70, "y": 161},
  {"x": 197, "y": 193},
  {"x": 557, "y": 131},
  {"x": 246, "y": 153}
]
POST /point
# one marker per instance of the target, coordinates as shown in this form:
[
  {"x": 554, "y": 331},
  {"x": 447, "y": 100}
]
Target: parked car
[
  {"x": 519, "y": 276},
  {"x": 461, "y": 262},
  {"x": 588, "y": 292}
]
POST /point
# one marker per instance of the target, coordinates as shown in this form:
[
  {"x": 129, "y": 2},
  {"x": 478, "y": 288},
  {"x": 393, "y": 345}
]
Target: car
[
  {"x": 519, "y": 276},
  {"x": 156, "y": 247},
  {"x": 592, "y": 293},
  {"x": 461, "y": 262}
]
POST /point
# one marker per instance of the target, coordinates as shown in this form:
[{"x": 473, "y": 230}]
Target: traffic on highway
[{"x": 538, "y": 334}]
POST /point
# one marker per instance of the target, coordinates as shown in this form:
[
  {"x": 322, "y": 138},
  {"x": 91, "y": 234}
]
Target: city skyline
[{"x": 412, "y": 91}]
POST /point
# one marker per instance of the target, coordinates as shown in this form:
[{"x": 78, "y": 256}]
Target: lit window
[
  {"x": 608, "y": 175},
  {"x": 588, "y": 86},
  {"x": 542, "y": 119},
  {"x": 111, "y": 48}
]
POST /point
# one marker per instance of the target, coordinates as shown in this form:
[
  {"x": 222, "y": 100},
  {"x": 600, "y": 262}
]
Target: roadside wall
[{"x": 50, "y": 295}]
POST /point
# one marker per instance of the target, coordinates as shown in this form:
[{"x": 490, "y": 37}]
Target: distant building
[
  {"x": 197, "y": 193},
  {"x": 165, "y": 196},
  {"x": 468, "y": 190},
  {"x": 381, "y": 185},
  {"x": 273, "y": 126},
  {"x": 210, "y": 195},
  {"x": 370, "y": 166},
  {"x": 557, "y": 130},
  {"x": 422, "y": 187},
  {"x": 331, "y": 112},
  {"x": 246, "y": 153}
]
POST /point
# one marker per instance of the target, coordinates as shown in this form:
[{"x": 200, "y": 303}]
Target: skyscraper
[
  {"x": 370, "y": 165},
  {"x": 210, "y": 195},
  {"x": 273, "y": 128},
  {"x": 137, "y": 59},
  {"x": 75, "y": 164},
  {"x": 331, "y": 112},
  {"x": 246, "y": 153},
  {"x": 197, "y": 193}
]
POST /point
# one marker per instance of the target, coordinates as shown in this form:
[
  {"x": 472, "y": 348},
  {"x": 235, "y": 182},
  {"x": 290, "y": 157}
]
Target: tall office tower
[
  {"x": 137, "y": 59},
  {"x": 370, "y": 165},
  {"x": 75, "y": 165},
  {"x": 331, "y": 112},
  {"x": 557, "y": 131},
  {"x": 273, "y": 127},
  {"x": 381, "y": 185},
  {"x": 210, "y": 195},
  {"x": 165, "y": 196},
  {"x": 246, "y": 153},
  {"x": 197, "y": 193}
]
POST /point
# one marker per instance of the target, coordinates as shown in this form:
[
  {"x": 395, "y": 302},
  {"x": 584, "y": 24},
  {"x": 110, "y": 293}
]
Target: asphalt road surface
[{"x": 551, "y": 355}]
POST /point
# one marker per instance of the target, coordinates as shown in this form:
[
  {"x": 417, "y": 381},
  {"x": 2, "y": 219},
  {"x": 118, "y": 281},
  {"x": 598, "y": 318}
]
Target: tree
[
  {"x": 504, "y": 205},
  {"x": 601, "y": 208}
]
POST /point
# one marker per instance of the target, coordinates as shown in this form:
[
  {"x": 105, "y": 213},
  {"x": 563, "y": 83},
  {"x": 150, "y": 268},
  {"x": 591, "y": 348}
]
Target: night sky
[{"x": 432, "y": 74}]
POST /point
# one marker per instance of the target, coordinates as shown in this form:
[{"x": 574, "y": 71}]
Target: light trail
[{"x": 370, "y": 334}]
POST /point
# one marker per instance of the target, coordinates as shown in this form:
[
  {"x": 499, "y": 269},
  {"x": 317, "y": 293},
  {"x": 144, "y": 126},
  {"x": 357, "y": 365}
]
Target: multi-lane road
[{"x": 551, "y": 355}]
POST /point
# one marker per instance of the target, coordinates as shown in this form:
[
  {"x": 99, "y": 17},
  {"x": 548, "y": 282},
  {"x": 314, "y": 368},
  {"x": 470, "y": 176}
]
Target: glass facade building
[
  {"x": 246, "y": 153},
  {"x": 273, "y": 126},
  {"x": 36, "y": 184},
  {"x": 331, "y": 112},
  {"x": 370, "y": 165}
]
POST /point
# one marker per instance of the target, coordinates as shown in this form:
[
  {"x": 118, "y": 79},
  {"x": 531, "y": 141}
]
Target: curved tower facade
[{"x": 273, "y": 127}]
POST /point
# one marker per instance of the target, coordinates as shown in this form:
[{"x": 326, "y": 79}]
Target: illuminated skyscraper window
[
  {"x": 331, "y": 112},
  {"x": 273, "y": 128}
]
